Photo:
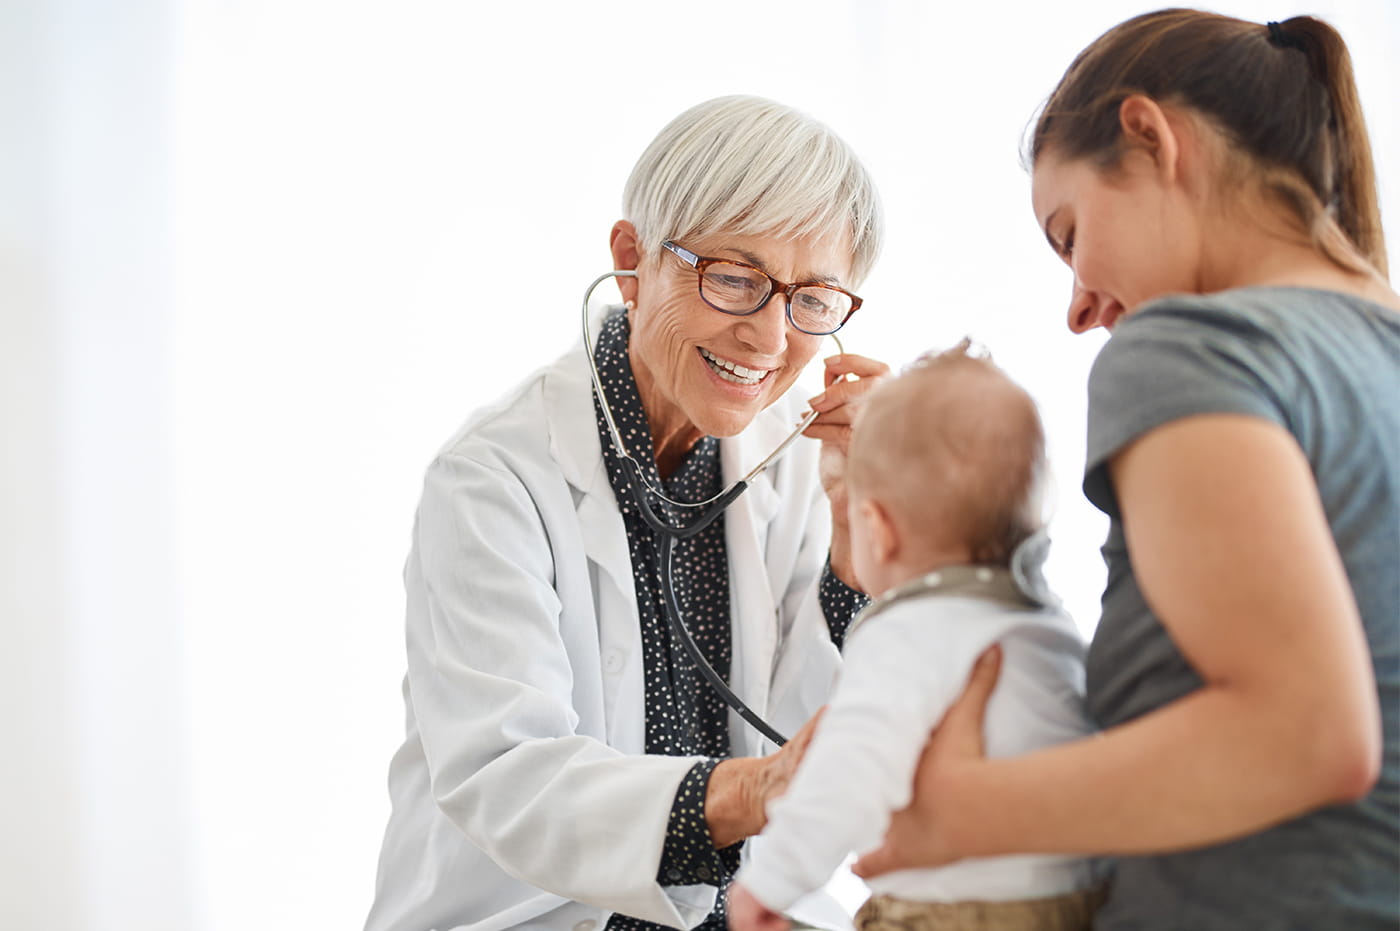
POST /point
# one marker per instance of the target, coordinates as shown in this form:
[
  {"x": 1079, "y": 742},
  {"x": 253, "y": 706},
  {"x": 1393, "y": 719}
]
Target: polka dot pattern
[
  {"x": 684, "y": 715},
  {"x": 840, "y": 603}
]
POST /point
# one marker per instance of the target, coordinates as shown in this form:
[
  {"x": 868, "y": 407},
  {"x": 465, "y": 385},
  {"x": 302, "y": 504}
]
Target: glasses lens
[
  {"x": 734, "y": 288},
  {"x": 820, "y": 310}
]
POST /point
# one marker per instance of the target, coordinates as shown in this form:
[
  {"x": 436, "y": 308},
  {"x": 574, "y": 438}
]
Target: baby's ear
[{"x": 884, "y": 533}]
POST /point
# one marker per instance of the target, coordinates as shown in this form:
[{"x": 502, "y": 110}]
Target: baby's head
[{"x": 945, "y": 467}]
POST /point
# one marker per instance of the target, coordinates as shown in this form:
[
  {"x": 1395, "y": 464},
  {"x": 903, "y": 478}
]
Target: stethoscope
[{"x": 667, "y": 534}]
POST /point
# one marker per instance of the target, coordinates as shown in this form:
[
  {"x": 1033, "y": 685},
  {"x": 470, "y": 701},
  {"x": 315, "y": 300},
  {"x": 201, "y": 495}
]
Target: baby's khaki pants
[{"x": 1073, "y": 911}]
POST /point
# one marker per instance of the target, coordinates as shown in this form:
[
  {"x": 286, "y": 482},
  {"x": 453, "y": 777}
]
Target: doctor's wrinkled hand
[
  {"x": 736, "y": 803},
  {"x": 747, "y": 913},
  {"x": 927, "y": 833},
  {"x": 849, "y": 378}
]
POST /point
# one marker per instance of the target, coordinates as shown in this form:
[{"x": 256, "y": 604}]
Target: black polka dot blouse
[{"x": 684, "y": 715}]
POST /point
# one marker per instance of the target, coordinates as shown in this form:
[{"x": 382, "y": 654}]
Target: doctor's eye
[{"x": 730, "y": 278}]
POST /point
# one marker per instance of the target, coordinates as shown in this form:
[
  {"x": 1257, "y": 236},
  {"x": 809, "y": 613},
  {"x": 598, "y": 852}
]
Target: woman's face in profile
[
  {"x": 1124, "y": 234},
  {"x": 699, "y": 368}
]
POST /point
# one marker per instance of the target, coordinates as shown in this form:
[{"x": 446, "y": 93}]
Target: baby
[{"x": 943, "y": 481}]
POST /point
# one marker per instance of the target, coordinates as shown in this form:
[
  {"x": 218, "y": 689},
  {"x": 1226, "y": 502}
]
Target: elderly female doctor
[{"x": 565, "y": 766}]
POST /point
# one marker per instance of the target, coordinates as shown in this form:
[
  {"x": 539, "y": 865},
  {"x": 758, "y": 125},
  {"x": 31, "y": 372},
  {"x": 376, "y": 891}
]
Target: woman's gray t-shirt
[{"x": 1325, "y": 367}]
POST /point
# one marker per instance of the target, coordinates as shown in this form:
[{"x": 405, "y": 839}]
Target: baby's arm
[
  {"x": 901, "y": 671},
  {"x": 747, "y": 913}
]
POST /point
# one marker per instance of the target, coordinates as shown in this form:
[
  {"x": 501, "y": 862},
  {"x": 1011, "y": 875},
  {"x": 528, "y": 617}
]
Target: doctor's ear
[{"x": 626, "y": 255}]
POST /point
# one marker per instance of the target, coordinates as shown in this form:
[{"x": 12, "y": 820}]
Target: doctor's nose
[{"x": 766, "y": 329}]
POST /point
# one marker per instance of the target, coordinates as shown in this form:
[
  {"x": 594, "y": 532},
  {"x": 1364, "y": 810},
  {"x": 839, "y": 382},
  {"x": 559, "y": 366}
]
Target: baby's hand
[{"x": 747, "y": 913}]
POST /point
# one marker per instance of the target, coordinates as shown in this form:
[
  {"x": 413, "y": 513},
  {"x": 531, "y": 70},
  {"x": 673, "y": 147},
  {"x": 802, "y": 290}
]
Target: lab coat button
[
  {"x": 612, "y": 662},
  {"x": 587, "y": 924}
]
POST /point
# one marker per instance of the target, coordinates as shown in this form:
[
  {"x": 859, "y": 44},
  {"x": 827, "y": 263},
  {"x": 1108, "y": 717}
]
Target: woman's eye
[{"x": 1067, "y": 247}]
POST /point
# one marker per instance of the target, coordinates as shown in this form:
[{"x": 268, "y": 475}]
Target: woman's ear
[
  {"x": 626, "y": 256},
  {"x": 1149, "y": 129}
]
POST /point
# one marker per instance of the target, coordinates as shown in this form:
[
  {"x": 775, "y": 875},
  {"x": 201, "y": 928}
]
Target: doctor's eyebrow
[{"x": 810, "y": 277}]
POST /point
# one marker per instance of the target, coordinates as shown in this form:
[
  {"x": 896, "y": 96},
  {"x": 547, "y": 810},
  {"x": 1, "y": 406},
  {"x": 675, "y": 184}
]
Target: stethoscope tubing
[
  {"x": 667, "y": 534},
  {"x": 667, "y": 542}
]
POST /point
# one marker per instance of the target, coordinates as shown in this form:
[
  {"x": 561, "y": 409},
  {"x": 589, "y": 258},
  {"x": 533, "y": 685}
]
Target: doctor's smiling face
[{"x": 702, "y": 372}]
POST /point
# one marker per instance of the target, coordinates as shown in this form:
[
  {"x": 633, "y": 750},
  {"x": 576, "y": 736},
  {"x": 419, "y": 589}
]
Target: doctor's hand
[
  {"x": 848, "y": 379},
  {"x": 736, "y": 801},
  {"x": 747, "y": 913},
  {"x": 926, "y": 834}
]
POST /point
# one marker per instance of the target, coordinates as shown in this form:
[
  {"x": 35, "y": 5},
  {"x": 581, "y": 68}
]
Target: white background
[{"x": 258, "y": 259}]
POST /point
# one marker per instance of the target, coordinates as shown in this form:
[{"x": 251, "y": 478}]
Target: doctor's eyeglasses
[{"x": 741, "y": 289}]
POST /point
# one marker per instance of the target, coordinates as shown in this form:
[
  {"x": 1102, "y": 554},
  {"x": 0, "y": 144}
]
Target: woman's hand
[
  {"x": 736, "y": 803},
  {"x": 848, "y": 378},
  {"x": 926, "y": 834},
  {"x": 747, "y": 913}
]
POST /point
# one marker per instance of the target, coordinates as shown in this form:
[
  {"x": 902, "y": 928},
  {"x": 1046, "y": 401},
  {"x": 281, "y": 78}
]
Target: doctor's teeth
[{"x": 732, "y": 371}]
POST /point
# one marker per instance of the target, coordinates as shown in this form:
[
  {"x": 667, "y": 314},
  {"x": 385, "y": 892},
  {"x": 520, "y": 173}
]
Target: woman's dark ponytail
[
  {"x": 1282, "y": 94},
  {"x": 1354, "y": 201}
]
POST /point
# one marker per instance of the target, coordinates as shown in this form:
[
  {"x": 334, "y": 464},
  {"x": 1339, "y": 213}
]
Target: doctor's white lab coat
[{"x": 521, "y": 794}]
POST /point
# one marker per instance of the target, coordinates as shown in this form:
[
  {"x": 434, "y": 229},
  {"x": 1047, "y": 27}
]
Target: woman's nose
[
  {"x": 765, "y": 330},
  {"x": 1083, "y": 309}
]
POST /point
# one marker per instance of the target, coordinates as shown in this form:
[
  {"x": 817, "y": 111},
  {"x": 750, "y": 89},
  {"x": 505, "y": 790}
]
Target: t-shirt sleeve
[{"x": 1171, "y": 361}]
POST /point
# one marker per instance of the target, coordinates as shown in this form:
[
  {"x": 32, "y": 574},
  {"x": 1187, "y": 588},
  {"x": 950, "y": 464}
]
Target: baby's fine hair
[{"x": 955, "y": 451}]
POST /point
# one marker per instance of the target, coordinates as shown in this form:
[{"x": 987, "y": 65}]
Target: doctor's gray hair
[{"x": 749, "y": 166}]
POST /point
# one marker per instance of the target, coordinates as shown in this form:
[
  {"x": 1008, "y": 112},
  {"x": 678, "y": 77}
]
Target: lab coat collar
[
  {"x": 573, "y": 432},
  {"x": 574, "y": 444}
]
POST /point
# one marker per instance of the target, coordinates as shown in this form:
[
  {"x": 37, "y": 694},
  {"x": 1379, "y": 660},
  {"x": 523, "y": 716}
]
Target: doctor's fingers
[
  {"x": 781, "y": 765},
  {"x": 798, "y": 743},
  {"x": 848, "y": 363},
  {"x": 843, "y": 392},
  {"x": 836, "y": 434}
]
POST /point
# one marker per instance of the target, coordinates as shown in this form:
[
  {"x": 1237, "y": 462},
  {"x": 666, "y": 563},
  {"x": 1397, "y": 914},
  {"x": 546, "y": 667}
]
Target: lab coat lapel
[
  {"x": 753, "y": 606},
  {"x": 575, "y": 445}
]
